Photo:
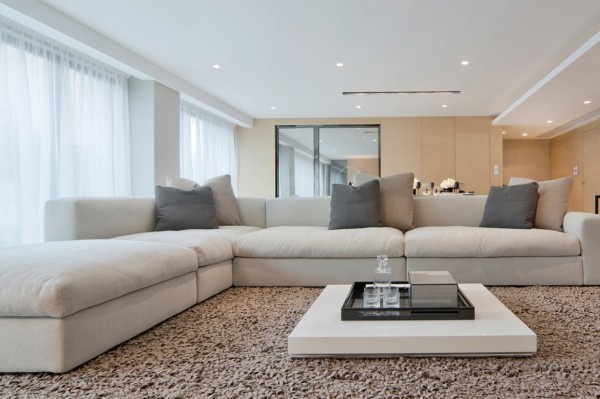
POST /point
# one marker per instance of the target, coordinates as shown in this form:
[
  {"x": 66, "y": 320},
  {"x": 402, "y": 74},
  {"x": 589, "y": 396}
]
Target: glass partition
[{"x": 310, "y": 159}]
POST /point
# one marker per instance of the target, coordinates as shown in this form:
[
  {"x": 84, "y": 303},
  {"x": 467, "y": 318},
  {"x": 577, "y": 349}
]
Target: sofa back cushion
[
  {"x": 253, "y": 211},
  {"x": 298, "y": 211},
  {"x": 448, "y": 210}
]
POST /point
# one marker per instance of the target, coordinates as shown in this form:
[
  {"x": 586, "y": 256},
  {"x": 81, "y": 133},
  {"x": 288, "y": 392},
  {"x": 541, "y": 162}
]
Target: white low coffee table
[{"x": 495, "y": 331}]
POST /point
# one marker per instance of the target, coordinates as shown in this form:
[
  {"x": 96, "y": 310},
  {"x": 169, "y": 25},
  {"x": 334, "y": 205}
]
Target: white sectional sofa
[{"x": 105, "y": 275}]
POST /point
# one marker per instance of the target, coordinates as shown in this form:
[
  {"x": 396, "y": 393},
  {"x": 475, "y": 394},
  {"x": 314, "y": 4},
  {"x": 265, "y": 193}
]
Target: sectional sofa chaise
[{"x": 104, "y": 275}]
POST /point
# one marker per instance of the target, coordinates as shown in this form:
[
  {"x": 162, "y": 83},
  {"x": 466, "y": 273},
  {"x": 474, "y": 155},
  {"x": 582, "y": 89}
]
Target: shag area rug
[{"x": 235, "y": 346}]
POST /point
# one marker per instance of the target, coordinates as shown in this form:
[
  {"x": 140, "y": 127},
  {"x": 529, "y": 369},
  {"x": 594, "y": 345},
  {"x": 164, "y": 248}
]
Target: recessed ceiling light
[
  {"x": 375, "y": 140},
  {"x": 444, "y": 105},
  {"x": 273, "y": 107},
  {"x": 503, "y": 132},
  {"x": 216, "y": 66},
  {"x": 364, "y": 137},
  {"x": 339, "y": 65},
  {"x": 587, "y": 102},
  {"x": 358, "y": 107},
  {"x": 549, "y": 121},
  {"x": 465, "y": 62},
  {"x": 524, "y": 134}
]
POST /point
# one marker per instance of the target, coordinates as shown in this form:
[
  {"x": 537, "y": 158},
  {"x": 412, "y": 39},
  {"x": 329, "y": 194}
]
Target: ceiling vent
[{"x": 361, "y": 93}]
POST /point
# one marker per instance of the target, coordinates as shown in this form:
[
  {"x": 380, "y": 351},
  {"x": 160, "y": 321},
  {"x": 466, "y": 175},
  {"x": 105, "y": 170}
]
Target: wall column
[{"x": 154, "y": 126}]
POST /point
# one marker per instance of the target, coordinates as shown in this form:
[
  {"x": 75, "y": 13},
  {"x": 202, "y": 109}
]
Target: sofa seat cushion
[
  {"x": 57, "y": 279},
  {"x": 211, "y": 246},
  {"x": 480, "y": 242},
  {"x": 319, "y": 242}
]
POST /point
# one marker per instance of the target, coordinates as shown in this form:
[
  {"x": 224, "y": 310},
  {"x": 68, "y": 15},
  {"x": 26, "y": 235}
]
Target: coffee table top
[{"x": 495, "y": 331}]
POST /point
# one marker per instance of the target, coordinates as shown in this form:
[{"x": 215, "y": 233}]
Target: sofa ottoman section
[
  {"x": 65, "y": 302},
  {"x": 212, "y": 248}
]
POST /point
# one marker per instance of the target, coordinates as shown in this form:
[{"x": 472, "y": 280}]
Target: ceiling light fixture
[
  {"x": 339, "y": 65},
  {"x": 464, "y": 63},
  {"x": 524, "y": 135},
  {"x": 216, "y": 66},
  {"x": 587, "y": 102},
  {"x": 503, "y": 132},
  {"x": 444, "y": 105},
  {"x": 362, "y": 93},
  {"x": 549, "y": 121},
  {"x": 374, "y": 140},
  {"x": 358, "y": 107},
  {"x": 273, "y": 107}
]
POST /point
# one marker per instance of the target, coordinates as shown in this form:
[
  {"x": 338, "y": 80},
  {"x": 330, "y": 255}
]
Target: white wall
[{"x": 154, "y": 121}]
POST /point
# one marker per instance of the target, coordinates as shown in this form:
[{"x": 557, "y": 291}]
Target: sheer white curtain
[
  {"x": 304, "y": 175},
  {"x": 207, "y": 145},
  {"x": 64, "y": 129}
]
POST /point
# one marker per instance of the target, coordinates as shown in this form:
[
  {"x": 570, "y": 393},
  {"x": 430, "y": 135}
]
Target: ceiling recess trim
[
  {"x": 591, "y": 42},
  {"x": 363, "y": 93}
]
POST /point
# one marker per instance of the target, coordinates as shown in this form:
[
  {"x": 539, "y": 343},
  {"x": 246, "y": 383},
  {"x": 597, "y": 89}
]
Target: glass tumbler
[
  {"x": 371, "y": 298},
  {"x": 391, "y": 297}
]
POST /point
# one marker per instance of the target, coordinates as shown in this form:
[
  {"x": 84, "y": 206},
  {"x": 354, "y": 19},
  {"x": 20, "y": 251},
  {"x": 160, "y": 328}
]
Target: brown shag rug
[{"x": 235, "y": 346}]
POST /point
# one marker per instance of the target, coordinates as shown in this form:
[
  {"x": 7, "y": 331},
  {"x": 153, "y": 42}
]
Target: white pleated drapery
[
  {"x": 64, "y": 129},
  {"x": 207, "y": 147}
]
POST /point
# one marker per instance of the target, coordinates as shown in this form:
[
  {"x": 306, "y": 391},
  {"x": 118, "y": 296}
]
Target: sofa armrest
[
  {"x": 80, "y": 218},
  {"x": 586, "y": 227}
]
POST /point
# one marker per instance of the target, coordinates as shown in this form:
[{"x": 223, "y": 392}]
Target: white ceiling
[{"x": 284, "y": 54}]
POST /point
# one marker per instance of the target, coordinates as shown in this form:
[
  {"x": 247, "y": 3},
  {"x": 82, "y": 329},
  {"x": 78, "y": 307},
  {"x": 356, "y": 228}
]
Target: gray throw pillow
[
  {"x": 553, "y": 201},
  {"x": 511, "y": 207},
  {"x": 225, "y": 201},
  {"x": 178, "y": 209},
  {"x": 354, "y": 207},
  {"x": 396, "y": 198}
]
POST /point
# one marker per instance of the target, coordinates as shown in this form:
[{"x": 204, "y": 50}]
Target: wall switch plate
[
  {"x": 575, "y": 170},
  {"x": 496, "y": 169}
]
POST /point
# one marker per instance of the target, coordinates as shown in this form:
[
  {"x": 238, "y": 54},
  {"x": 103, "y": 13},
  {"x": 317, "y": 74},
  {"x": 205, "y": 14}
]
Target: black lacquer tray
[{"x": 353, "y": 309}]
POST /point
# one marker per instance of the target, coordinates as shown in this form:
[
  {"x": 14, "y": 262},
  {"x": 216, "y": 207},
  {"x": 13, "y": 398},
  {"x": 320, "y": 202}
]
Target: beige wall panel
[
  {"x": 496, "y": 155},
  {"x": 472, "y": 161},
  {"x": 472, "y": 124},
  {"x": 438, "y": 150},
  {"x": 256, "y": 159},
  {"x": 566, "y": 152},
  {"x": 591, "y": 168},
  {"x": 401, "y": 146},
  {"x": 526, "y": 158}
]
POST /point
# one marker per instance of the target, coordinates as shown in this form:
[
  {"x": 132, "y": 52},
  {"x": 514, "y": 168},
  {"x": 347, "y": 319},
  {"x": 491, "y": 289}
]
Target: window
[
  {"x": 64, "y": 129},
  {"x": 312, "y": 158},
  {"x": 207, "y": 145}
]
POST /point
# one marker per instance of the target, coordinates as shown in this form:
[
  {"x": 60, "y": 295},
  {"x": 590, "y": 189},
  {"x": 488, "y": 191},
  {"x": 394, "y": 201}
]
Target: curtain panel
[
  {"x": 207, "y": 145},
  {"x": 64, "y": 129}
]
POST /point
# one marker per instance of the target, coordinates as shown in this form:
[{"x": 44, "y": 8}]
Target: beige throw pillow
[
  {"x": 553, "y": 201},
  {"x": 395, "y": 198},
  {"x": 225, "y": 201}
]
